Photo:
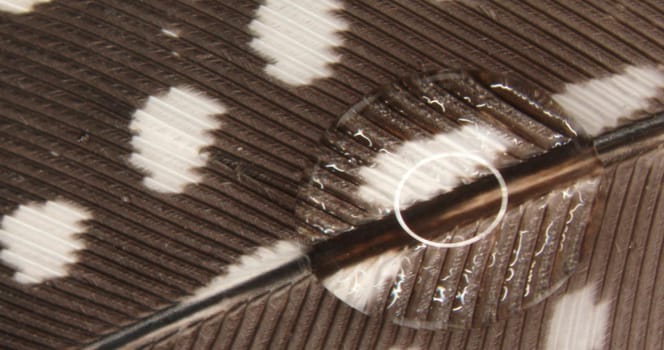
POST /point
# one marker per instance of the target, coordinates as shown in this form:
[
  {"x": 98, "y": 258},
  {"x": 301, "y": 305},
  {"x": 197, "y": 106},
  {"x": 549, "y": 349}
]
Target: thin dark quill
[{"x": 539, "y": 175}]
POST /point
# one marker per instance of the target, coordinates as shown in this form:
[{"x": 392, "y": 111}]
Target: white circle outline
[{"x": 499, "y": 217}]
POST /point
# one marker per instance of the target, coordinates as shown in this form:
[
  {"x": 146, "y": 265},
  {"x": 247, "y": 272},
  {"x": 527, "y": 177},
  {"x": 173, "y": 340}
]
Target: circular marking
[{"x": 499, "y": 217}]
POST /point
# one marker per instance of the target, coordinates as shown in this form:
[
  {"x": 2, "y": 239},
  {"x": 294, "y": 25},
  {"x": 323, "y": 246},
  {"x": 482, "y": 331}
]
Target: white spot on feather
[
  {"x": 263, "y": 260},
  {"x": 381, "y": 178},
  {"x": 579, "y": 322},
  {"x": 19, "y": 6},
  {"x": 40, "y": 240},
  {"x": 361, "y": 284},
  {"x": 600, "y": 104},
  {"x": 171, "y": 130},
  {"x": 298, "y": 37},
  {"x": 173, "y": 33}
]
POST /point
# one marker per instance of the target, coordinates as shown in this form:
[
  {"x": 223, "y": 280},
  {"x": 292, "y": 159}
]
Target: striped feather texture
[{"x": 74, "y": 74}]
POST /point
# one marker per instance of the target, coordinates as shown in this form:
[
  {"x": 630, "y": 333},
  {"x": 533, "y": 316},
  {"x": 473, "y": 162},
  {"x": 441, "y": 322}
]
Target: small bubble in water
[{"x": 84, "y": 137}]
